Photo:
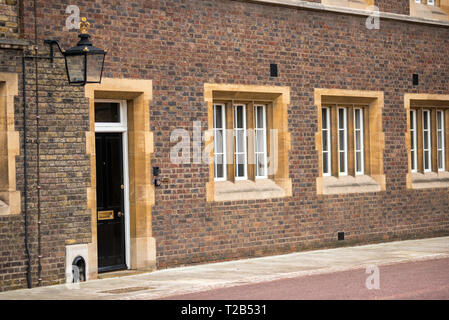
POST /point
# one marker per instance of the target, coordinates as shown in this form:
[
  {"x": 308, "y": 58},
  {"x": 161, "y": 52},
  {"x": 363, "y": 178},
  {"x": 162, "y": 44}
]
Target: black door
[{"x": 110, "y": 208}]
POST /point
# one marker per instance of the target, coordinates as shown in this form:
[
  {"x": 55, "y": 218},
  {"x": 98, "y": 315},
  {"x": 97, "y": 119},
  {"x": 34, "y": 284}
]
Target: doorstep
[{"x": 120, "y": 273}]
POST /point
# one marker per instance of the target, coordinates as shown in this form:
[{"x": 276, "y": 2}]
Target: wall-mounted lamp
[{"x": 84, "y": 62}]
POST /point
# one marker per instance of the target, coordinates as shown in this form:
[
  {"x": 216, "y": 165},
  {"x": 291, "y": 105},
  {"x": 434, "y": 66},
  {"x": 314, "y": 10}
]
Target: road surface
[{"x": 411, "y": 280}]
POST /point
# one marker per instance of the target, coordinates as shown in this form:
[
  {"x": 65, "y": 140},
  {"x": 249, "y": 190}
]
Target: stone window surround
[
  {"x": 139, "y": 94},
  {"x": 438, "y": 11},
  {"x": 353, "y": 11},
  {"x": 356, "y": 4},
  {"x": 9, "y": 146},
  {"x": 374, "y": 179},
  {"x": 281, "y": 184},
  {"x": 421, "y": 180}
]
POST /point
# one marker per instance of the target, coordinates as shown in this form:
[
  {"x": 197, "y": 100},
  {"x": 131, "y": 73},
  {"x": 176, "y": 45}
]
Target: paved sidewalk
[{"x": 177, "y": 281}]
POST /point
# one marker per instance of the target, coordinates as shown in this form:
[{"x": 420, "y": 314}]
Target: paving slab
[{"x": 183, "y": 280}]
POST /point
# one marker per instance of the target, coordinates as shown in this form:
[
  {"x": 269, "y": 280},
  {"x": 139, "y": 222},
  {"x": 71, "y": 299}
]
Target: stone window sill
[
  {"x": 4, "y": 208},
  {"x": 430, "y": 180},
  {"x": 247, "y": 190},
  {"x": 349, "y": 184},
  {"x": 426, "y": 11}
]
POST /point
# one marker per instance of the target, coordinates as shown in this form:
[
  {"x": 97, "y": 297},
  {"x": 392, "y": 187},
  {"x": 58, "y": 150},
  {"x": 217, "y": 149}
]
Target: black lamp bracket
[{"x": 51, "y": 43}]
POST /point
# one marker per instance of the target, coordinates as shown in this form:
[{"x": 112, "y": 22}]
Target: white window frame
[
  {"x": 431, "y": 2},
  {"x": 223, "y": 128},
  {"x": 263, "y": 153},
  {"x": 429, "y": 144},
  {"x": 107, "y": 126},
  {"x": 443, "y": 142},
  {"x": 345, "y": 131},
  {"x": 362, "y": 146},
  {"x": 245, "y": 153},
  {"x": 327, "y": 133},
  {"x": 413, "y": 136}
]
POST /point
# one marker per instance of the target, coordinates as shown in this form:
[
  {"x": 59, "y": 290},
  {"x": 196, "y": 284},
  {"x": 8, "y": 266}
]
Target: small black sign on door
[{"x": 110, "y": 202}]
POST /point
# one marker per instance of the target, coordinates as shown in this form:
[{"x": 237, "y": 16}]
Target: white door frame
[{"x": 121, "y": 127}]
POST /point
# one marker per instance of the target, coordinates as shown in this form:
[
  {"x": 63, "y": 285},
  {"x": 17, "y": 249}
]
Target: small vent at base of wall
[
  {"x": 77, "y": 263},
  {"x": 78, "y": 270},
  {"x": 341, "y": 236}
]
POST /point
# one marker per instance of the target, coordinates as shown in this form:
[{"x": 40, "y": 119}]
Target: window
[
  {"x": 219, "y": 142},
  {"x": 248, "y": 121},
  {"x": 349, "y": 156},
  {"x": 326, "y": 143},
  {"x": 440, "y": 140},
  {"x": 106, "y": 112},
  {"x": 413, "y": 141},
  {"x": 240, "y": 142},
  {"x": 342, "y": 142},
  {"x": 426, "y": 141},
  {"x": 350, "y": 141},
  {"x": 260, "y": 151},
  {"x": 429, "y": 2},
  {"x": 110, "y": 114},
  {"x": 248, "y": 129},
  {"x": 358, "y": 137}
]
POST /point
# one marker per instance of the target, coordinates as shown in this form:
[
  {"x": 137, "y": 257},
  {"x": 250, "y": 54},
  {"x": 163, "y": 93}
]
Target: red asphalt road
[{"x": 411, "y": 280}]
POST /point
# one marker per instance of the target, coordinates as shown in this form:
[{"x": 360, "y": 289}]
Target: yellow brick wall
[{"x": 9, "y": 18}]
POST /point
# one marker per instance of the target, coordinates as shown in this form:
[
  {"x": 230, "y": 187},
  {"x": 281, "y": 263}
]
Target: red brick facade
[{"x": 182, "y": 44}]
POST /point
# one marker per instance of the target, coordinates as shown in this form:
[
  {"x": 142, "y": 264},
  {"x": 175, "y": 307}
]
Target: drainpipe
[
  {"x": 25, "y": 166},
  {"x": 39, "y": 249},
  {"x": 38, "y": 182}
]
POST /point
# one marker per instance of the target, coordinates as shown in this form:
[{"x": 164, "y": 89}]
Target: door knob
[{"x": 120, "y": 214}]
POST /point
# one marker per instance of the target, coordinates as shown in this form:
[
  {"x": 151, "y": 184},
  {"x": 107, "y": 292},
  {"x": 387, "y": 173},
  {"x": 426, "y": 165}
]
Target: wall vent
[
  {"x": 273, "y": 70},
  {"x": 77, "y": 263}
]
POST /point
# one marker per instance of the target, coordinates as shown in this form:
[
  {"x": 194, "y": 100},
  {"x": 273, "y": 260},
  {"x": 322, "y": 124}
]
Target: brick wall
[
  {"x": 181, "y": 45},
  {"x": 396, "y": 6},
  {"x": 9, "y": 19},
  {"x": 64, "y": 174}
]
